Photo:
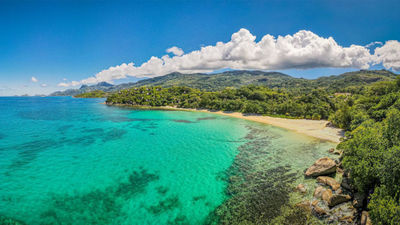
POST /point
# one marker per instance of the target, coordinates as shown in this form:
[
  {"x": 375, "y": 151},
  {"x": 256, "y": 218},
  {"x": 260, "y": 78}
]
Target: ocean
[{"x": 66, "y": 160}]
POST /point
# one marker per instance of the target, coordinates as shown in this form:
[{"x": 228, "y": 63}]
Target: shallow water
[{"x": 75, "y": 161}]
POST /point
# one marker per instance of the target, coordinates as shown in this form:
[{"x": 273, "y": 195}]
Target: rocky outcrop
[
  {"x": 329, "y": 181},
  {"x": 322, "y": 166}
]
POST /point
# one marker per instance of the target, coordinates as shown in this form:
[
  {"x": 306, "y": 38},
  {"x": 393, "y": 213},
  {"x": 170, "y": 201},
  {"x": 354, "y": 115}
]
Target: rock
[
  {"x": 319, "y": 191},
  {"x": 331, "y": 150},
  {"x": 337, "y": 199},
  {"x": 322, "y": 166},
  {"x": 301, "y": 188},
  {"x": 346, "y": 184},
  {"x": 329, "y": 181},
  {"x": 305, "y": 205},
  {"x": 337, "y": 152},
  {"x": 339, "y": 191},
  {"x": 327, "y": 195},
  {"x": 319, "y": 211},
  {"x": 347, "y": 219},
  {"x": 365, "y": 220},
  {"x": 358, "y": 201},
  {"x": 314, "y": 203}
]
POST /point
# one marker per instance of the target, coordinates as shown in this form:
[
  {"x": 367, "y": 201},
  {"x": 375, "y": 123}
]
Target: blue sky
[{"x": 53, "y": 40}]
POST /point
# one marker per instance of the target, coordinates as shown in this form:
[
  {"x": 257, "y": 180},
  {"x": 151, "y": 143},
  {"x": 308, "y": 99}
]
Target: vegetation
[
  {"x": 369, "y": 113},
  {"x": 247, "y": 99},
  {"x": 93, "y": 94}
]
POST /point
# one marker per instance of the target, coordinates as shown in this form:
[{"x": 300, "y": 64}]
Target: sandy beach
[{"x": 313, "y": 128}]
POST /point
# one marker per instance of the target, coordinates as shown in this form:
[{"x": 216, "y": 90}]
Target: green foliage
[
  {"x": 92, "y": 94},
  {"x": 385, "y": 209},
  {"x": 247, "y": 99}
]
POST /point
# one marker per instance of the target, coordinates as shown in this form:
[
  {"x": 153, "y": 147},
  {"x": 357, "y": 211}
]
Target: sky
[{"x": 55, "y": 45}]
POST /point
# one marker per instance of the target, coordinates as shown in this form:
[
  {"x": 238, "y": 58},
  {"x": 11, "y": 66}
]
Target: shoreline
[{"x": 314, "y": 128}]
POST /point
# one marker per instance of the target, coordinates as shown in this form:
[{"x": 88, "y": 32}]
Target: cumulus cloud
[
  {"x": 175, "y": 50},
  {"x": 389, "y": 55},
  {"x": 34, "y": 79},
  {"x": 43, "y": 85},
  {"x": 302, "y": 50}
]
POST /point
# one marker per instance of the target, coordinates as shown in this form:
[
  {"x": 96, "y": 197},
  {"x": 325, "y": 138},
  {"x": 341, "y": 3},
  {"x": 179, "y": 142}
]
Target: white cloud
[
  {"x": 389, "y": 55},
  {"x": 373, "y": 44},
  {"x": 302, "y": 50},
  {"x": 43, "y": 85},
  {"x": 175, "y": 50},
  {"x": 33, "y": 79},
  {"x": 64, "y": 79}
]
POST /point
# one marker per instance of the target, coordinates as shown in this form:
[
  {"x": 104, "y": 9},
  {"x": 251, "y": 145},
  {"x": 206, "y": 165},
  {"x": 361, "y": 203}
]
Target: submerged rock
[
  {"x": 300, "y": 188},
  {"x": 319, "y": 191},
  {"x": 336, "y": 199},
  {"x": 305, "y": 205},
  {"x": 329, "y": 181},
  {"x": 327, "y": 195},
  {"x": 322, "y": 166},
  {"x": 319, "y": 211}
]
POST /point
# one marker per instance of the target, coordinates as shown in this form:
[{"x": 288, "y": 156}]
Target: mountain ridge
[{"x": 238, "y": 78}]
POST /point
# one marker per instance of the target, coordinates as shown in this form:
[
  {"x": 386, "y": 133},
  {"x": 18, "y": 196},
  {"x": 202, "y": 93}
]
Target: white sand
[{"x": 313, "y": 128}]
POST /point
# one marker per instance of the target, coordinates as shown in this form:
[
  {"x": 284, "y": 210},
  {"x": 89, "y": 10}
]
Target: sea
[{"x": 67, "y": 160}]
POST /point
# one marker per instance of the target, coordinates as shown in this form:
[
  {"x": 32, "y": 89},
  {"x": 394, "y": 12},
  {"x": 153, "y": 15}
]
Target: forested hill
[{"x": 213, "y": 82}]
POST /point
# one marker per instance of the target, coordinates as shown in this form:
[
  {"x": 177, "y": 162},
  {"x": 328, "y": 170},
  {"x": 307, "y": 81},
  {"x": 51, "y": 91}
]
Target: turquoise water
[{"x": 75, "y": 161}]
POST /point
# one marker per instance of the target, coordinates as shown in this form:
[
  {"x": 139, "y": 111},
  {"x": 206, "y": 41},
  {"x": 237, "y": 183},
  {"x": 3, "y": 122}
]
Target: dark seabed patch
[
  {"x": 162, "y": 190},
  {"x": 64, "y": 129},
  {"x": 98, "y": 206},
  {"x": 2, "y": 136},
  {"x": 257, "y": 192},
  {"x": 183, "y": 121},
  {"x": 179, "y": 220},
  {"x": 27, "y": 152},
  {"x": 9, "y": 221},
  {"x": 113, "y": 134},
  {"x": 206, "y": 118},
  {"x": 199, "y": 197},
  {"x": 170, "y": 203}
]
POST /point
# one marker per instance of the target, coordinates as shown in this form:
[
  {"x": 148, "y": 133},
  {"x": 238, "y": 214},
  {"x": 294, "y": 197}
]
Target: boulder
[
  {"x": 322, "y": 166},
  {"x": 331, "y": 150},
  {"x": 337, "y": 199},
  {"x": 319, "y": 211},
  {"x": 314, "y": 203},
  {"x": 329, "y": 181},
  {"x": 319, "y": 191},
  {"x": 346, "y": 184},
  {"x": 327, "y": 195},
  {"x": 365, "y": 220}
]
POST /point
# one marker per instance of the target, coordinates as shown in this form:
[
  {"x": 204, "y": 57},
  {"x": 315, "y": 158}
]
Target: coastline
[{"x": 314, "y": 128}]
